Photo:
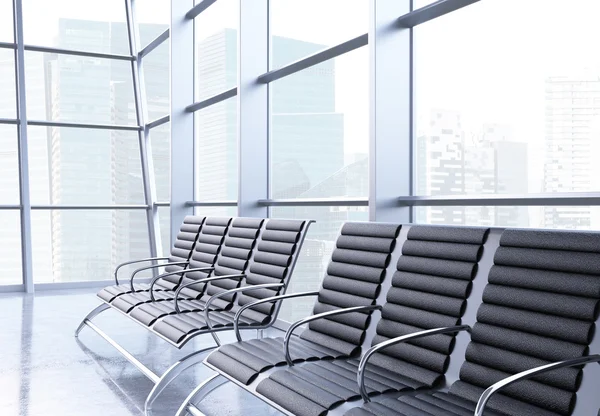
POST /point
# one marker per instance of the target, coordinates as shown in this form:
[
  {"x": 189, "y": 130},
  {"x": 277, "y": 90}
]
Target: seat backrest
[
  {"x": 233, "y": 258},
  {"x": 185, "y": 242},
  {"x": 540, "y": 306},
  {"x": 273, "y": 261},
  {"x": 429, "y": 290},
  {"x": 206, "y": 249},
  {"x": 354, "y": 276}
]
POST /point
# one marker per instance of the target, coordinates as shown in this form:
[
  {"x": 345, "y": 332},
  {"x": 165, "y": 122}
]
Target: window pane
[
  {"x": 316, "y": 252},
  {"x": 160, "y": 138},
  {"x": 216, "y": 211},
  {"x": 9, "y": 166},
  {"x": 157, "y": 82},
  {"x": 83, "y": 166},
  {"x": 521, "y": 115},
  {"x": 154, "y": 17},
  {"x": 10, "y": 247},
  {"x": 6, "y": 21},
  {"x": 77, "y": 25},
  {"x": 164, "y": 218},
  {"x": 216, "y": 49},
  {"x": 576, "y": 218},
  {"x": 320, "y": 130},
  {"x": 8, "y": 104},
  {"x": 216, "y": 152},
  {"x": 76, "y": 246},
  {"x": 302, "y": 27},
  {"x": 79, "y": 89}
]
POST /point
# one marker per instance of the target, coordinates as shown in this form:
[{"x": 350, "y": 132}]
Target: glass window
[
  {"x": 153, "y": 17},
  {"x": 79, "y": 89},
  {"x": 216, "y": 49},
  {"x": 302, "y": 27},
  {"x": 6, "y": 21},
  {"x": 320, "y": 130},
  {"x": 157, "y": 82},
  {"x": 10, "y": 247},
  {"x": 86, "y": 245},
  {"x": 216, "y": 152},
  {"x": 216, "y": 211},
  {"x": 504, "y": 119},
  {"x": 316, "y": 251},
  {"x": 8, "y": 104},
  {"x": 76, "y": 25},
  {"x": 160, "y": 139},
  {"x": 9, "y": 166},
  {"x": 84, "y": 166},
  {"x": 164, "y": 219},
  {"x": 574, "y": 218}
]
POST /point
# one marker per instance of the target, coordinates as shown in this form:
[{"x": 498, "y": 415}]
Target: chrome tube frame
[
  {"x": 238, "y": 289},
  {"x": 236, "y": 319},
  {"x": 155, "y": 266},
  {"x": 205, "y": 280},
  {"x": 360, "y": 375},
  {"x": 295, "y": 325},
  {"x": 133, "y": 262},
  {"x": 210, "y": 384},
  {"x": 527, "y": 374}
]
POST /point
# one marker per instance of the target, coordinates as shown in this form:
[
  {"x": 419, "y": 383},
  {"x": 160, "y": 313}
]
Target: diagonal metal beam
[
  {"x": 554, "y": 199},
  {"x": 8, "y": 121},
  {"x": 212, "y": 100},
  {"x": 7, "y": 45},
  {"x": 46, "y": 123},
  {"x": 199, "y": 8},
  {"x": 154, "y": 44},
  {"x": 431, "y": 11},
  {"x": 47, "y": 49},
  {"x": 158, "y": 122},
  {"x": 315, "y": 59}
]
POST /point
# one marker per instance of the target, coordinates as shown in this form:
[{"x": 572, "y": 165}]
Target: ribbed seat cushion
[
  {"x": 429, "y": 290},
  {"x": 540, "y": 306},
  {"x": 181, "y": 251},
  {"x": 354, "y": 276}
]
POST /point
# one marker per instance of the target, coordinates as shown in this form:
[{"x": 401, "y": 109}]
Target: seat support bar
[{"x": 199, "y": 393}]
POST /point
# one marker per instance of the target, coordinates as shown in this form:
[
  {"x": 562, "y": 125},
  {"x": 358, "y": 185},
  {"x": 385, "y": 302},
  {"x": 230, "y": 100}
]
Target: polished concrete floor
[{"x": 45, "y": 370}]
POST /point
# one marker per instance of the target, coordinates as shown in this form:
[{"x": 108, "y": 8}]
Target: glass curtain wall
[{"x": 84, "y": 138}]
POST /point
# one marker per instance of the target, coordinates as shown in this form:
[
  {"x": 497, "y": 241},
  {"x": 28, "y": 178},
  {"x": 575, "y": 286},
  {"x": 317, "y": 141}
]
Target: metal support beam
[
  {"x": 46, "y": 123},
  {"x": 46, "y": 49},
  {"x": 232, "y": 92},
  {"x": 199, "y": 8},
  {"x": 8, "y": 121},
  {"x": 211, "y": 204},
  {"x": 315, "y": 59},
  {"x": 83, "y": 207},
  {"x": 7, "y": 45},
  {"x": 158, "y": 122},
  {"x": 139, "y": 93},
  {"x": 154, "y": 44},
  {"x": 431, "y": 11},
  {"x": 26, "y": 251},
  {"x": 182, "y": 122},
  {"x": 253, "y": 108},
  {"x": 316, "y": 202},
  {"x": 390, "y": 143},
  {"x": 554, "y": 199},
  {"x": 10, "y": 207}
]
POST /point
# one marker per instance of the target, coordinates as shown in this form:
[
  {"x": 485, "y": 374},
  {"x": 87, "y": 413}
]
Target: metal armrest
[
  {"x": 524, "y": 375},
  {"x": 235, "y": 290},
  {"x": 295, "y": 325},
  {"x": 421, "y": 334},
  {"x": 133, "y": 262},
  {"x": 236, "y": 319},
  {"x": 162, "y": 276},
  {"x": 154, "y": 266},
  {"x": 205, "y": 280}
]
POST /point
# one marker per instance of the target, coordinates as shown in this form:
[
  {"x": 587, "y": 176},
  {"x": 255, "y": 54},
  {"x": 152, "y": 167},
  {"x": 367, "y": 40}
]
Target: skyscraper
[{"x": 572, "y": 111}]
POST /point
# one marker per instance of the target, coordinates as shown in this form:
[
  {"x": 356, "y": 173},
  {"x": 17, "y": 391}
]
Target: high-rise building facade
[{"x": 572, "y": 141}]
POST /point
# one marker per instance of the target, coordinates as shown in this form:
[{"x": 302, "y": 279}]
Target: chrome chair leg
[
  {"x": 172, "y": 373},
  {"x": 200, "y": 392},
  {"x": 95, "y": 312}
]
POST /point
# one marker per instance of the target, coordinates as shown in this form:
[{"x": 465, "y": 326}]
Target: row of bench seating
[{"x": 530, "y": 299}]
